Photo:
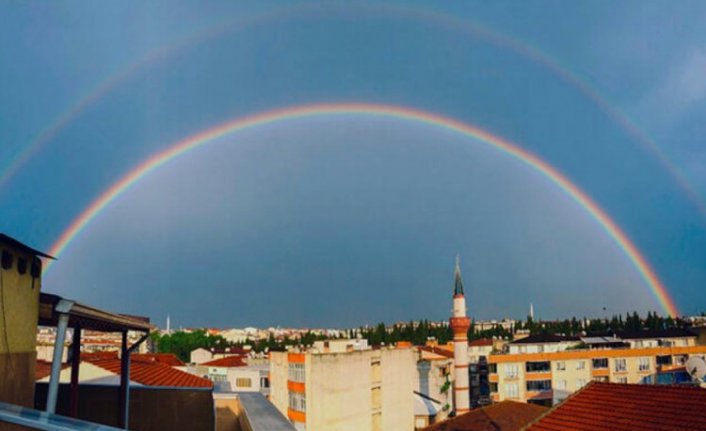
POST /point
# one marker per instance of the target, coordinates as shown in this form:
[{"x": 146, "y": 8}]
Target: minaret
[
  {"x": 531, "y": 315},
  {"x": 169, "y": 331},
  {"x": 459, "y": 325}
]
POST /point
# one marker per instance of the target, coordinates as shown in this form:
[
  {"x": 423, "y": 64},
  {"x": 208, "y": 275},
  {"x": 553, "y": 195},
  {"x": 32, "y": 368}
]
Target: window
[
  {"x": 297, "y": 401},
  {"x": 664, "y": 360},
  {"x": 511, "y": 371},
  {"x": 644, "y": 364},
  {"x": 621, "y": 365},
  {"x": 243, "y": 382},
  {"x": 561, "y": 384},
  {"x": 601, "y": 379},
  {"x": 647, "y": 380},
  {"x": 296, "y": 372},
  {"x": 561, "y": 366},
  {"x": 580, "y": 365},
  {"x": 622, "y": 380},
  {"x": 600, "y": 363},
  {"x": 493, "y": 388},
  {"x": 512, "y": 390},
  {"x": 580, "y": 383},
  {"x": 539, "y": 385},
  {"x": 218, "y": 377},
  {"x": 537, "y": 367},
  {"x": 680, "y": 359}
]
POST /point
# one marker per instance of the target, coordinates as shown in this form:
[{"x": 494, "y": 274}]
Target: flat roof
[{"x": 262, "y": 414}]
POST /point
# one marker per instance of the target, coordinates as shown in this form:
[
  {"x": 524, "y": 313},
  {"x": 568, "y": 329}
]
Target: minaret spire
[
  {"x": 458, "y": 280},
  {"x": 460, "y": 324}
]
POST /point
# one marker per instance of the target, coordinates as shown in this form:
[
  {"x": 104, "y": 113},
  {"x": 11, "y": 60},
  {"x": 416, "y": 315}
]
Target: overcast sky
[{"x": 348, "y": 220}]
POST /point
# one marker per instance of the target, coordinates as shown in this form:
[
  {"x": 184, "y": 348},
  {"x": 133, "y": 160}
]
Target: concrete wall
[
  {"x": 398, "y": 375},
  {"x": 279, "y": 372},
  {"x": 19, "y": 308},
  {"x": 200, "y": 355},
  {"x": 228, "y": 415},
  {"x": 338, "y": 392},
  {"x": 151, "y": 409}
]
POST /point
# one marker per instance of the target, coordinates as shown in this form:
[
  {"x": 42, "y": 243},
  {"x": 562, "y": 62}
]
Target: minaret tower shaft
[{"x": 459, "y": 325}]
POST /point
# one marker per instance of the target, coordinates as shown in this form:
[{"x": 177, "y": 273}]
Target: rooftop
[
  {"x": 502, "y": 416},
  {"x": 147, "y": 371},
  {"x": 438, "y": 351},
  {"x": 165, "y": 358},
  {"x": 626, "y": 407},
  {"x": 655, "y": 333},
  {"x": 546, "y": 338},
  {"x": 481, "y": 342},
  {"x": 12, "y": 242},
  {"x": 43, "y": 369},
  {"x": 228, "y": 361}
]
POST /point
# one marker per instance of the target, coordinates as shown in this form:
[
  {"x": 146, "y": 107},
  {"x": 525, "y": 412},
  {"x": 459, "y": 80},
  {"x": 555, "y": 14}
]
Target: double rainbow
[{"x": 365, "y": 109}]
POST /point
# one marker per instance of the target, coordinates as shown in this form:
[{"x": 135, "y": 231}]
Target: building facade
[
  {"x": 550, "y": 377},
  {"x": 356, "y": 390},
  {"x": 20, "y": 283}
]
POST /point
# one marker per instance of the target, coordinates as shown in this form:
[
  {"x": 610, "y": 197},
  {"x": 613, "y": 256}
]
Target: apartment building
[
  {"x": 350, "y": 390},
  {"x": 549, "y": 377}
]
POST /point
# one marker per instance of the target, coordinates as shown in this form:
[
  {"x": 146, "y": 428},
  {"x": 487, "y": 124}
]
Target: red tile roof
[
  {"x": 147, "y": 371},
  {"x": 166, "y": 358},
  {"x": 43, "y": 369},
  {"x": 228, "y": 361},
  {"x": 623, "y": 407},
  {"x": 502, "y": 416}
]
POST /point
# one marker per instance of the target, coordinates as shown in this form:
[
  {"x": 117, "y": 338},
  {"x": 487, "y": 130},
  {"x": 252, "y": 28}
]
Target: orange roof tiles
[
  {"x": 43, "y": 369},
  {"x": 147, "y": 371},
  {"x": 228, "y": 361},
  {"x": 502, "y": 416},
  {"x": 628, "y": 407},
  {"x": 166, "y": 358}
]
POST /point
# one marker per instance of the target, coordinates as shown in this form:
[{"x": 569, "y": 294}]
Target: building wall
[
  {"x": 571, "y": 370},
  {"x": 19, "y": 307},
  {"x": 339, "y": 392},
  {"x": 432, "y": 375},
  {"x": 366, "y": 390},
  {"x": 151, "y": 409},
  {"x": 200, "y": 355},
  {"x": 398, "y": 375},
  {"x": 541, "y": 347},
  {"x": 279, "y": 371}
]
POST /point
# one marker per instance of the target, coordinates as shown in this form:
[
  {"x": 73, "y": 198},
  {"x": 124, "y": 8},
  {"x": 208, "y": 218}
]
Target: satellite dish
[{"x": 696, "y": 367}]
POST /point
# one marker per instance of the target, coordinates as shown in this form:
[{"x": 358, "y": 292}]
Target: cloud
[{"x": 682, "y": 90}]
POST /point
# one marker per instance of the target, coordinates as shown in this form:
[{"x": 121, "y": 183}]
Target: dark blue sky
[{"x": 352, "y": 220}]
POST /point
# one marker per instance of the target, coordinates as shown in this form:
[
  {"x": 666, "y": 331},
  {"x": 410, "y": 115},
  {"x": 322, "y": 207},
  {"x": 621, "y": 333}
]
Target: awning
[{"x": 87, "y": 317}]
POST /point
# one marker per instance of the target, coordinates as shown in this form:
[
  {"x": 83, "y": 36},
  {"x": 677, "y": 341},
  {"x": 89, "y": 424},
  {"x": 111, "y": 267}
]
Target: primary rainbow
[{"x": 329, "y": 109}]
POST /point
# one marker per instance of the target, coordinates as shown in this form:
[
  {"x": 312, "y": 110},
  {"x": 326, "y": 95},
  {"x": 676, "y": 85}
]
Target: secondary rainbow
[
  {"x": 332, "y": 109},
  {"x": 443, "y": 20}
]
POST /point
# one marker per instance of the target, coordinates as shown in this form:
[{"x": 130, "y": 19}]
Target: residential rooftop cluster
[{"x": 72, "y": 364}]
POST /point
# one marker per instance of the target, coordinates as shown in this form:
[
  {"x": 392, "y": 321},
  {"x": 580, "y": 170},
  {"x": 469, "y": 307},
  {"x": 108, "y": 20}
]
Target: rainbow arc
[{"x": 211, "y": 135}]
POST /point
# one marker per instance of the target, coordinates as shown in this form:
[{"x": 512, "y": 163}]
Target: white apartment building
[{"x": 352, "y": 390}]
